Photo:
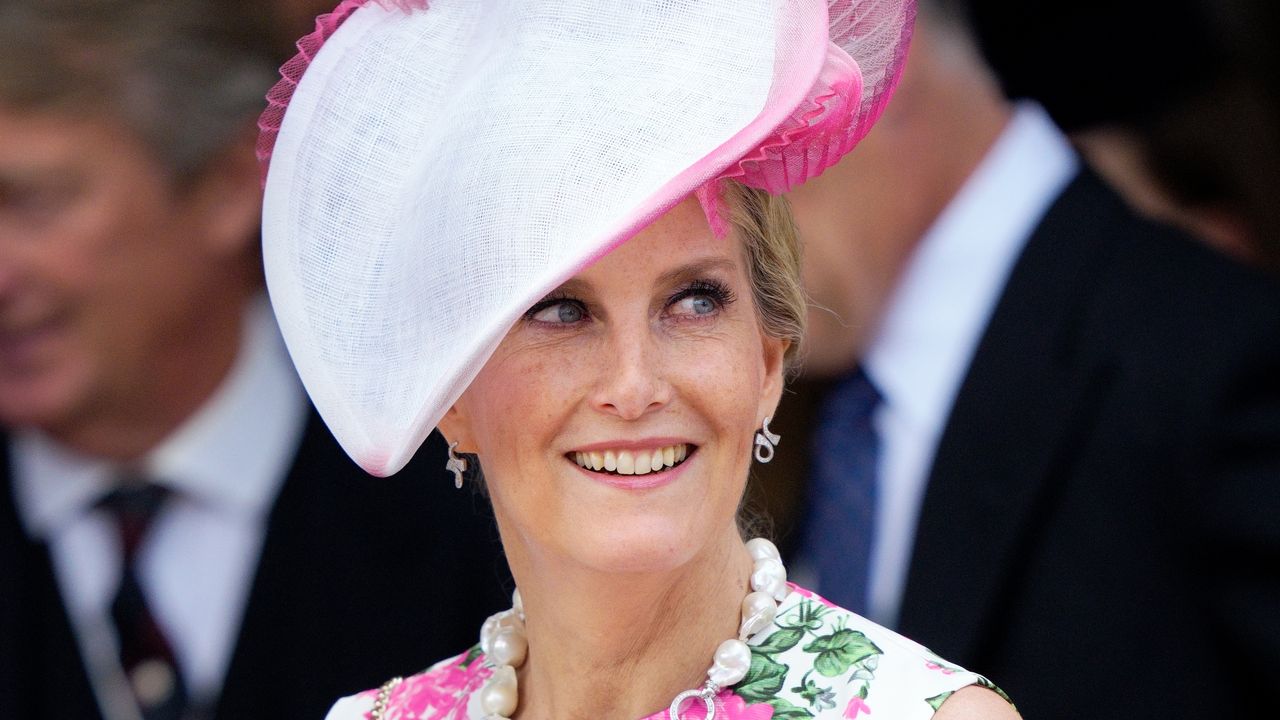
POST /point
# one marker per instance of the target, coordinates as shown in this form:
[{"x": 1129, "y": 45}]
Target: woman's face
[{"x": 651, "y": 358}]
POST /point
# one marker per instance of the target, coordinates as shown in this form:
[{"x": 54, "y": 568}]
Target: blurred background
[{"x": 1040, "y": 406}]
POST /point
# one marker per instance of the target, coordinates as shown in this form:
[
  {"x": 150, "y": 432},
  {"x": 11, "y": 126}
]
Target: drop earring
[
  {"x": 766, "y": 441},
  {"x": 457, "y": 465}
]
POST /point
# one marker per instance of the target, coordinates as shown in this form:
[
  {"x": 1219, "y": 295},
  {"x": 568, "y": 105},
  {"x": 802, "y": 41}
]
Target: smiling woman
[
  {"x": 655, "y": 351},
  {"x": 561, "y": 243}
]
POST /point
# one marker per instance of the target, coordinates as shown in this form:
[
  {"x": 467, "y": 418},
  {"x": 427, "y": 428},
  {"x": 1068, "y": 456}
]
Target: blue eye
[
  {"x": 700, "y": 299},
  {"x": 697, "y": 305},
  {"x": 559, "y": 312}
]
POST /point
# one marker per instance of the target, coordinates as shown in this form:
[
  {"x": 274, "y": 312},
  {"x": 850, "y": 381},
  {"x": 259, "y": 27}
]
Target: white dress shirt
[
  {"x": 937, "y": 315},
  {"x": 225, "y": 465}
]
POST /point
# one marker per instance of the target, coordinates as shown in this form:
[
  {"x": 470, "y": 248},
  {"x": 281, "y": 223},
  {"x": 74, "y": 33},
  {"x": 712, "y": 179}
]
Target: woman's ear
[{"x": 455, "y": 427}]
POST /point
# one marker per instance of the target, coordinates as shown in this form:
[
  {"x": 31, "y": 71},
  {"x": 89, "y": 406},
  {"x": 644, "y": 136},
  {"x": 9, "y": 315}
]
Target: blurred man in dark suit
[
  {"x": 1178, "y": 101},
  {"x": 176, "y": 524},
  {"x": 1034, "y": 351}
]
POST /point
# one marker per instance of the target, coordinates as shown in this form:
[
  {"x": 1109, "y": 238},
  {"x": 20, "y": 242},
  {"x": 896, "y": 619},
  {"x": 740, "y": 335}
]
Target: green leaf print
[
  {"x": 936, "y": 701},
  {"x": 472, "y": 654},
  {"x": 838, "y": 651},
  {"x": 780, "y": 641},
  {"x": 992, "y": 687},
  {"x": 808, "y": 615},
  {"x": 763, "y": 681},
  {"x": 784, "y": 710},
  {"x": 822, "y": 698}
]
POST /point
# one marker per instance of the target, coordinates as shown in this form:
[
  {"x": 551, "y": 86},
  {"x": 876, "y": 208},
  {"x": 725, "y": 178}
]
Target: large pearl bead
[
  {"x": 758, "y": 611},
  {"x": 505, "y": 621},
  {"x": 762, "y": 549},
  {"x": 509, "y": 648},
  {"x": 498, "y": 699},
  {"x": 732, "y": 660},
  {"x": 770, "y": 577}
]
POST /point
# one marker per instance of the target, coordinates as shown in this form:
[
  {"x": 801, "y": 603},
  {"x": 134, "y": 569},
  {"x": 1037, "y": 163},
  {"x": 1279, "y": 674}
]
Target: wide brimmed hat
[{"x": 433, "y": 170}]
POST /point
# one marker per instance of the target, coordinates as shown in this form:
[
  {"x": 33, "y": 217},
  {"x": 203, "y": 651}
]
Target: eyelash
[{"x": 720, "y": 294}]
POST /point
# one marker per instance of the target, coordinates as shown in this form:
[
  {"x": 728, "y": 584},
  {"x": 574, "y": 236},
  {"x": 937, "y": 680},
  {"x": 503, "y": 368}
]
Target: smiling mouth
[{"x": 633, "y": 462}]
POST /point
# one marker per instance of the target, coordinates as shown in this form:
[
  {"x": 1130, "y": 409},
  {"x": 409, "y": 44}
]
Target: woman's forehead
[
  {"x": 675, "y": 270},
  {"x": 680, "y": 242}
]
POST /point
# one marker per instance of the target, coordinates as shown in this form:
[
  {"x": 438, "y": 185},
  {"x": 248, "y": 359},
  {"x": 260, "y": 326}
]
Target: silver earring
[
  {"x": 457, "y": 465},
  {"x": 766, "y": 441}
]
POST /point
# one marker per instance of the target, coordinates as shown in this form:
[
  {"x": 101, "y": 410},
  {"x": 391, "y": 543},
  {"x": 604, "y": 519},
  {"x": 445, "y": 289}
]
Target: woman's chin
[{"x": 636, "y": 545}]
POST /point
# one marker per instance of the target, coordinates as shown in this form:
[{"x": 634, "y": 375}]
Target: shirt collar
[
  {"x": 954, "y": 279},
  {"x": 232, "y": 453}
]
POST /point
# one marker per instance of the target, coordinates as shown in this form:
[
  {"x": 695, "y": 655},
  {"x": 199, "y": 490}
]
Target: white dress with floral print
[{"x": 817, "y": 661}]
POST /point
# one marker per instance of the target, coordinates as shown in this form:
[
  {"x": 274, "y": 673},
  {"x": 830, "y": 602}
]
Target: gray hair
[{"x": 187, "y": 77}]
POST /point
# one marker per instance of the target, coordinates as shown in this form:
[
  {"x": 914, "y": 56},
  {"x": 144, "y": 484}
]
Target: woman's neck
[{"x": 605, "y": 645}]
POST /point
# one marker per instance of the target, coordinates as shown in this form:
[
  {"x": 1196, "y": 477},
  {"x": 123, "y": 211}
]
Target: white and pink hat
[{"x": 435, "y": 168}]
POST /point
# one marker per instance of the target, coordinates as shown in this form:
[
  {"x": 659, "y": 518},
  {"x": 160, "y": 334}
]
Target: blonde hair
[{"x": 768, "y": 232}]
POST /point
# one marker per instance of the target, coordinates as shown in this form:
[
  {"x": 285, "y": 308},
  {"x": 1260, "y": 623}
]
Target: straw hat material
[{"x": 434, "y": 170}]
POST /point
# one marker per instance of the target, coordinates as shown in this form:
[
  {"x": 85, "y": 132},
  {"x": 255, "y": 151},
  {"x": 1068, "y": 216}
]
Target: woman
[{"x": 545, "y": 226}]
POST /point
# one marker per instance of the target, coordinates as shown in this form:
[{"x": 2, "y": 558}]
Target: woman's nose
[{"x": 632, "y": 376}]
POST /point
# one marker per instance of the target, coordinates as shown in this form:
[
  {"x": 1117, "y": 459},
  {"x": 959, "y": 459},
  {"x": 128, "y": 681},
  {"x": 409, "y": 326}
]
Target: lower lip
[{"x": 637, "y": 482}]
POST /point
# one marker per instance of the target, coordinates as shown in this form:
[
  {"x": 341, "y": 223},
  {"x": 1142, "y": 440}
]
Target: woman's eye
[
  {"x": 700, "y": 299},
  {"x": 563, "y": 312},
  {"x": 696, "y": 305}
]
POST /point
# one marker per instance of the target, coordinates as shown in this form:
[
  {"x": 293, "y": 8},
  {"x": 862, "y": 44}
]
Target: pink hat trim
[
  {"x": 281, "y": 93},
  {"x": 834, "y": 116}
]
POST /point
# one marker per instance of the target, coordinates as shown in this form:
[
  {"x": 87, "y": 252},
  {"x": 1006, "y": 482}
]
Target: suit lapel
[
  {"x": 41, "y": 673},
  {"x": 359, "y": 579},
  {"x": 258, "y": 683},
  {"x": 1026, "y": 401}
]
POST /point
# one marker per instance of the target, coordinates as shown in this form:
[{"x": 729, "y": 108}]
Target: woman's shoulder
[
  {"x": 438, "y": 692},
  {"x": 822, "y": 661}
]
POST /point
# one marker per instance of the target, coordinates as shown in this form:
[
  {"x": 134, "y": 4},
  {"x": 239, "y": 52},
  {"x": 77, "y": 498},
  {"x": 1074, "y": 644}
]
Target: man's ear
[
  {"x": 456, "y": 427},
  {"x": 226, "y": 198}
]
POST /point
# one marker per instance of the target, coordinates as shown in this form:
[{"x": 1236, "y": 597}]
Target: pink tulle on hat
[
  {"x": 834, "y": 116},
  {"x": 431, "y": 170}
]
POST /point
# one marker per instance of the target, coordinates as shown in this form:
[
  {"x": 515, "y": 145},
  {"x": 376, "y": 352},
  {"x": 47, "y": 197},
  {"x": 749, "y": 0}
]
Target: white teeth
[{"x": 628, "y": 462}]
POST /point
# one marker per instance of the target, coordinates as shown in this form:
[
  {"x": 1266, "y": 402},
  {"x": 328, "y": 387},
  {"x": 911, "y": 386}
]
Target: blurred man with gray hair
[{"x": 175, "y": 521}]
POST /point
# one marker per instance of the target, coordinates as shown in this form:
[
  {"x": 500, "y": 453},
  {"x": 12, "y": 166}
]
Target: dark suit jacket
[
  {"x": 360, "y": 579},
  {"x": 1100, "y": 534}
]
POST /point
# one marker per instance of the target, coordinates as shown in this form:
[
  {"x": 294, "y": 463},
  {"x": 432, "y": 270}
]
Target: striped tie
[
  {"x": 840, "y": 522},
  {"x": 145, "y": 653}
]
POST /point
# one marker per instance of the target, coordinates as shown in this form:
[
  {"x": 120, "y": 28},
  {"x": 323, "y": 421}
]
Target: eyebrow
[
  {"x": 683, "y": 273},
  {"x": 694, "y": 269}
]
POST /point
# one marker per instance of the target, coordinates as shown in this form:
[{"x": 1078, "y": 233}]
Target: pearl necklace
[{"x": 505, "y": 645}]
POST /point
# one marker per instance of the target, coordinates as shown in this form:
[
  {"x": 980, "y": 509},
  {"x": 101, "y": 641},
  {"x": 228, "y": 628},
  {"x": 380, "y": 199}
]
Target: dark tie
[
  {"x": 145, "y": 653},
  {"x": 840, "y": 522}
]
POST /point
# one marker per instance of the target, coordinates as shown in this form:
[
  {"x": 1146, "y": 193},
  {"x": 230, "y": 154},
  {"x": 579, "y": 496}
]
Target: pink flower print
[
  {"x": 735, "y": 708},
  {"x": 856, "y": 707},
  {"x": 940, "y": 668},
  {"x": 438, "y": 691}
]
